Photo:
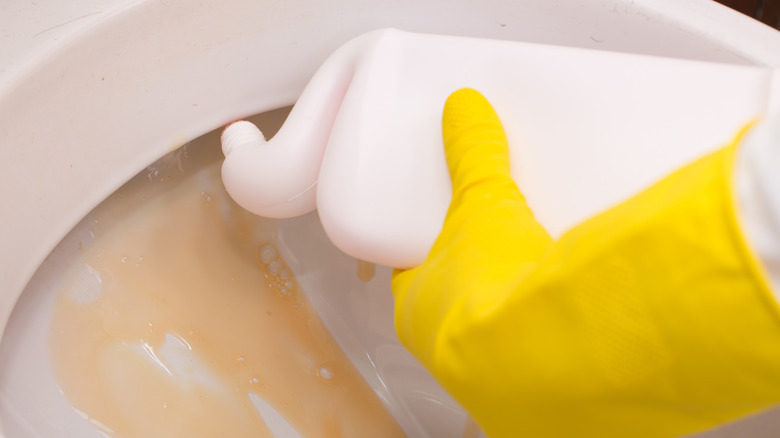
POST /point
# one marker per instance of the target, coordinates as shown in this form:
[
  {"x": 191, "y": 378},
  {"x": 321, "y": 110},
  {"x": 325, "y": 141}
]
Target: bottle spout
[
  {"x": 239, "y": 134},
  {"x": 278, "y": 178}
]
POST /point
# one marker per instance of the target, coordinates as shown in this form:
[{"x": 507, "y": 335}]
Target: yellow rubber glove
[{"x": 652, "y": 319}]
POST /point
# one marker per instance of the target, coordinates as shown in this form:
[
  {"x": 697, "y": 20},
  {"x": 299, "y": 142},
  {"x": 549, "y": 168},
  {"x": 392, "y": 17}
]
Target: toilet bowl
[{"x": 92, "y": 97}]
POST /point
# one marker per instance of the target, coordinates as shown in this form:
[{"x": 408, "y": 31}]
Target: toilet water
[{"x": 181, "y": 318}]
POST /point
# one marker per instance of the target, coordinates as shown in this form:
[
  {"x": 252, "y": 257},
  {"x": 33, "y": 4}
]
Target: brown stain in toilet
[{"x": 175, "y": 314}]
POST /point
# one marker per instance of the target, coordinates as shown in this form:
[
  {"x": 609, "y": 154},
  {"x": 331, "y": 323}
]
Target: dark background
[{"x": 767, "y": 11}]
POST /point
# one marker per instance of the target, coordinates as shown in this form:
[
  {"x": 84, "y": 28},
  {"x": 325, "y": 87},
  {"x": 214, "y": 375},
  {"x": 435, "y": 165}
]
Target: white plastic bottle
[{"x": 586, "y": 129}]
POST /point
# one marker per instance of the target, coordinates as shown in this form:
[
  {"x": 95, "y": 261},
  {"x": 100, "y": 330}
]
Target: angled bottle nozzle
[
  {"x": 241, "y": 133},
  {"x": 278, "y": 178}
]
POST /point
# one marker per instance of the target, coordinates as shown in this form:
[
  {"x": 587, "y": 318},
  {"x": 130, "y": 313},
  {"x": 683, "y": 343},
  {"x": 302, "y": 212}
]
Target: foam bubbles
[
  {"x": 279, "y": 275},
  {"x": 267, "y": 253},
  {"x": 325, "y": 372}
]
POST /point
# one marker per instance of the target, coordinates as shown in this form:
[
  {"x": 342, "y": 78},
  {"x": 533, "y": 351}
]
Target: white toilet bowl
[{"x": 88, "y": 100}]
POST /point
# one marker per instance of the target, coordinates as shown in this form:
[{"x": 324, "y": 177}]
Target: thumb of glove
[
  {"x": 476, "y": 150},
  {"x": 489, "y": 232}
]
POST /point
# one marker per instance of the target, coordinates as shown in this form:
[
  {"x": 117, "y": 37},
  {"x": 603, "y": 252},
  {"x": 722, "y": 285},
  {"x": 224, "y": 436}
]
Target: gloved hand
[{"x": 652, "y": 319}]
